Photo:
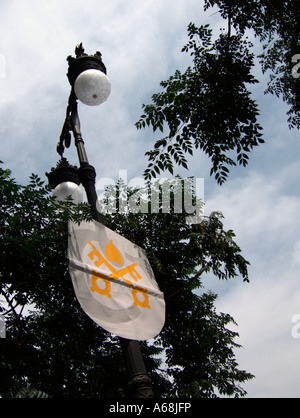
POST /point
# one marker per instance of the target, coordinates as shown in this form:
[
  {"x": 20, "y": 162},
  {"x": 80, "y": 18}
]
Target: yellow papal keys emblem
[{"x": 113, "y": 254}]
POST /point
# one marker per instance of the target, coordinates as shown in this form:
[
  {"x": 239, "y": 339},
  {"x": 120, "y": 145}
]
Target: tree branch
[
  {"x": 229, "y": 28},
  {"x": 197, "y": 275}
]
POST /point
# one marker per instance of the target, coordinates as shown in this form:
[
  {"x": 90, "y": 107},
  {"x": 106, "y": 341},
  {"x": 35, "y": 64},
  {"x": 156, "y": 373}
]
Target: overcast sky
[{"x": 140, "y": 42}]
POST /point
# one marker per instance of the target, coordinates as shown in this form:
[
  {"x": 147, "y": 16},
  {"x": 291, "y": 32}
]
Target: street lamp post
[{"x": 89, "y": 84}]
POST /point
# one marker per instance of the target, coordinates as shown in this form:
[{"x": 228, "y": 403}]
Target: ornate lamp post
[{"x": 89, "y": 84}]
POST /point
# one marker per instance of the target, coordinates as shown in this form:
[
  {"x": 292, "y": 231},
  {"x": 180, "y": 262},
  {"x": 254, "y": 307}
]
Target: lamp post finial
[{"x": 79, "y": 50}]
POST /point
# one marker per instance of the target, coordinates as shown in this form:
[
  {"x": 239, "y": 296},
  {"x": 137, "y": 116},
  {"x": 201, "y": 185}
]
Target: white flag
[{"x": 114, "y": 282}]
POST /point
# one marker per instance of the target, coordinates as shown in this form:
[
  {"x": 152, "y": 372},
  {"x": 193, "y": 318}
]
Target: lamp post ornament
[{"x": 130, "y": 304}]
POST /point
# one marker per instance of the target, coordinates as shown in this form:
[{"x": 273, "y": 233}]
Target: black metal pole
[{"x": 139, "y": 385}]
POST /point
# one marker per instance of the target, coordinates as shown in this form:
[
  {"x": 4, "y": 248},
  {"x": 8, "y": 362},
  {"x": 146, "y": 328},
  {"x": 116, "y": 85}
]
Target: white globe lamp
[
  {"x": 64, "y": 182},
  {"x": 92, "y": 87},
  {"x": 87, "y": 76},
  {"x": 68, "y": 189}
]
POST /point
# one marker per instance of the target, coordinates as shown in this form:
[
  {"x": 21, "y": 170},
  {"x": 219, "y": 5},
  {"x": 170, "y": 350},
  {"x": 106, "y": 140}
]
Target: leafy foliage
[
  {"x": 209, "y": 106},
  {"x": 277, "y": 24},
  {"x": 179, "y": 255},
  {"x": 52, "y": 348},
  {"x": 45, "y": 345}
]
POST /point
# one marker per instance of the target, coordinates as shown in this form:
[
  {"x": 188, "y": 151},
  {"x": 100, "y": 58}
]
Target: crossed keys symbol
[{"x": 113, "y": 254}]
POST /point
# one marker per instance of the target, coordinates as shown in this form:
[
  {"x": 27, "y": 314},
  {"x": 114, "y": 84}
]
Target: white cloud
[
  {"x": 140, "y": 44},
  {"x": 296, "y": 253},
  {"x": 263, "y": 212},
  {"x": 264, "y": 311}
]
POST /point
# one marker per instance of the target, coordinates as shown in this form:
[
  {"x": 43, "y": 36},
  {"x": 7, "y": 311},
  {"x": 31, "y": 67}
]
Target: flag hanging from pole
[{"x": 114, "y": 282}]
